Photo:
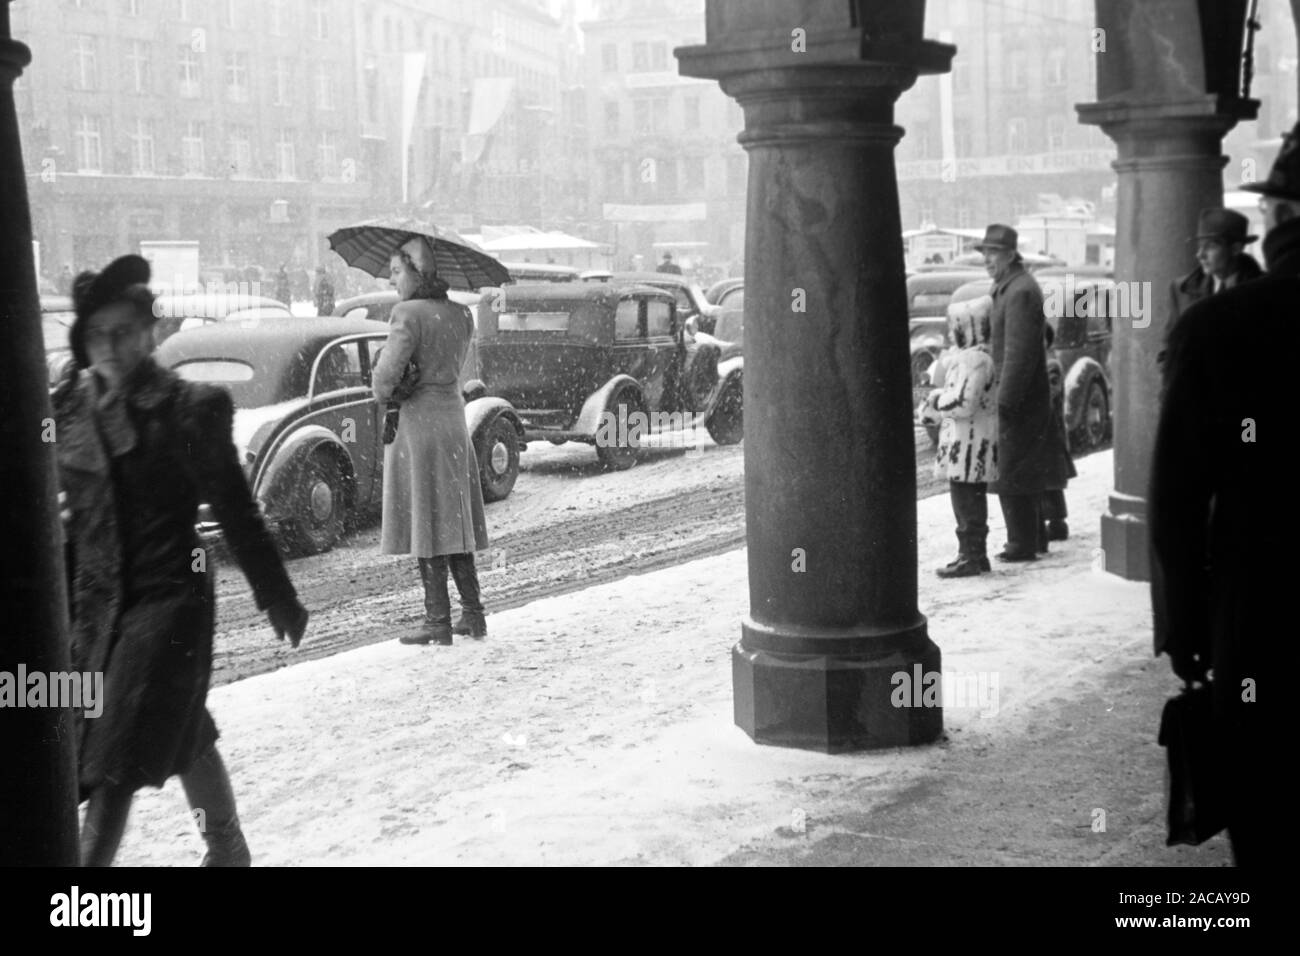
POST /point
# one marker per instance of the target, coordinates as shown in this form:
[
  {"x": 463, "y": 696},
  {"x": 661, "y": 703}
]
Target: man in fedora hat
[
  {"x": 1221, "y": 238},
  {"x": 1221, "y": 531},
  {"x": 1027, "y": 460}
]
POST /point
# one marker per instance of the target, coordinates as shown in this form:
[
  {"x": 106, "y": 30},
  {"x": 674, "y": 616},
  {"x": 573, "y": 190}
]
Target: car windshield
[{"x": 247, "y": 388}]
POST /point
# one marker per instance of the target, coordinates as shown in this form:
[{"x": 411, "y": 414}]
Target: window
[
  {"x": 1056, "y": 67},
  {"x": 189, "y": 72},
  {"x": 659, "y": 317},
  {"x": 232, "y": 17},
  {"x": 667, "y": 176},
  {"x": 276, "y": 17},
  {"x": 280, "y": 82},
  {"x": 640, "y": 55},
  {"x": 693, "y": 173},
  {"x": 85, "y": 72},
  {"x": 239, "y": 150},
  {"x": 659, "y": 56},
  {"x": 1055, "y": 132},
  {"x": 627, "y": 320},
  {"x": 89, "y": 151},
  {"x": 339, "y": 367},
  {"x": 326, "y": 155},
  {"x": 961, "y": 140},
  {"x": 324, "y": 89},
  {"x": 132, "y": 7},
  {"x": 192, "y": 149},
  {"x": 641, "y": 116},
  {"x": 691, "y": 112},
  {"x": 613, "y": 179},
  {"x": 320, "y": 19},
  {"x": 1017, "y": 139},
  {"x": 612, "y": 118},
  {"x": 285, "y": 163},
  {"x": 1017, "y": 69},
  {"x": 142, "y": 154},
  {"x": 183, "y": 10},
  {"x": 237, "y": 77},
  {"x": 137, "y": 64}
]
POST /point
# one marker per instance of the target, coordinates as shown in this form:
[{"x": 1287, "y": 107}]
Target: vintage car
[
  {"x": 307, "y": 426},
  {"x": 604, "y": 363},
  {"x": 691, "y": 301},
  {"x": 724, "y": 288},
  {"x": 1079, "y": 309},
  {"x": 185, "y": 311},
  {"x": 377, "y": 306}
]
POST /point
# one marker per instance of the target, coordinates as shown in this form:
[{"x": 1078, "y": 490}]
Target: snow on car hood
[{"x": 249, "y": 420}]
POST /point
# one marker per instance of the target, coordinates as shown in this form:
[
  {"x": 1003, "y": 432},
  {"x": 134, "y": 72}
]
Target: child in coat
[{"x": 965, "y": 408}]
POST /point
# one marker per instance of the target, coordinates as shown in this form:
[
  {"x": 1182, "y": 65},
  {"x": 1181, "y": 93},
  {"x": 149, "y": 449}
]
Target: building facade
[{"x": 669, "y": 174}]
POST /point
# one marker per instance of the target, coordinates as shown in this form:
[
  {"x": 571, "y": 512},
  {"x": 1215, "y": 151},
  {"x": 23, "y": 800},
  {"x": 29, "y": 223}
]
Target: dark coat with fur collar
[{"x": 142, "y": 597}]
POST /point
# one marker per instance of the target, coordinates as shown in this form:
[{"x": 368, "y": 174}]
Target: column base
[
  {"x": 1125, "y": 547},
  {"x": 836, "y": 703}
]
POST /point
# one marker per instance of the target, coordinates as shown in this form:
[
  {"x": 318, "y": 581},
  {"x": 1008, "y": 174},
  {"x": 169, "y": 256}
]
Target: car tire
[
  {"x": 726, "y": 425},
  {"x": 621, "y": 457},
  {"x": 319, "y": 507},
  {"x": 1094, "y": 423},
  {"x": 497, "y": 451}
]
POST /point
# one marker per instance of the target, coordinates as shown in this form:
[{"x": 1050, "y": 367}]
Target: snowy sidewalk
[{"x": 596, "y": 728}]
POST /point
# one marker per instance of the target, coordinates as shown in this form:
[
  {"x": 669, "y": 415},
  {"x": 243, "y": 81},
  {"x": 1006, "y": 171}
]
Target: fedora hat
[
  {"x": 1225, "y": 225},
  {"x": 998, "y": 236},
  {"x": 1284, "y": 178},
  {"x": 91, "y": 291}
]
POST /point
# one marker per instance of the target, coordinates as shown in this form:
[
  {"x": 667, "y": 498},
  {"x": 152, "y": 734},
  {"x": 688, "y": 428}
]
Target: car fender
[
  {"x": 598, "y": 401},
  {"x": 482, "y": 412},
  {"x": 729, "y": 371},
  {"x": 1081, "y": 373},
  {"x": 275, "y": 477}
]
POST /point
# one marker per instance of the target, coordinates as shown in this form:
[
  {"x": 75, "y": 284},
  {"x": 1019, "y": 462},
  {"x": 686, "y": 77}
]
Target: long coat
[
  {"x": 135, "y": 473},
  {"x": 1056, "y": 384},
  {"x": 1028, "y": 463},
  {"x": 433, "y": 503},
  {"x": 965, "y": 408},
  {"x": 1221, "y": 529}
]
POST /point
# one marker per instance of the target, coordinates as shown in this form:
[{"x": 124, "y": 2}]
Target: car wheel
[
  {"x": 319, "y": 508},
  {"x": 922, "y": 362},
  {"x": 498, "y": 459},
  {"x": 622, "y": 454},
  {"x": 727, "y": 423},
  {"x": 1096, "y": 416}
]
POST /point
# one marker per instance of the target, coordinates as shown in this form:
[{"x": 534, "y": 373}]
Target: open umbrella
[{"x": 369, "y": 245}]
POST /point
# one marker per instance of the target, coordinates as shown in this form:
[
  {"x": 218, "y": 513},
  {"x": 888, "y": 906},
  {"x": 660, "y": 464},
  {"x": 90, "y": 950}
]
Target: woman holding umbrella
[{"x": 433, "y": 505}]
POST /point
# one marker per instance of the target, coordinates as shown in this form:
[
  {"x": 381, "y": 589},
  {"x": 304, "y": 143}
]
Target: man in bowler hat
[
  {"x": 1221, "y": 532},
  {"x": 1027, "y": 463}
]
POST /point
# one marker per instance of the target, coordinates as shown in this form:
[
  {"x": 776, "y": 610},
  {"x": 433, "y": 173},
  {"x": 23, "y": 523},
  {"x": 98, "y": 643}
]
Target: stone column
[
  {"x": 38, "y": 785},
  {"x": 1167, "y": 94},
  {"x": 830, "y": 481}
]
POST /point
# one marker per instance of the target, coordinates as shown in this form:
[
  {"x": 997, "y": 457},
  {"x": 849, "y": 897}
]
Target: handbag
[
  {"x": 1196, "y": 792},
  {"x": 404, "y": 389}
]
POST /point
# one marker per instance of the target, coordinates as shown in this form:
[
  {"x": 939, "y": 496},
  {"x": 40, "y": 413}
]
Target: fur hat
[{"x": 91, "y": 291}]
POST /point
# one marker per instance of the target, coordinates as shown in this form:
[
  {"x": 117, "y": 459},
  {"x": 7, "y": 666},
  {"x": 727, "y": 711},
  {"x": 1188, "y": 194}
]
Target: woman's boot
[
  {"x": 471, "y": 620},
  {"x": 212, "y": 801},
  {"x": 437, "y": 604}
]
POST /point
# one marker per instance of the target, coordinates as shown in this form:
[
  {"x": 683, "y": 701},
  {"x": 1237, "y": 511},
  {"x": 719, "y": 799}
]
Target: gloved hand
[{"x": 288, "y": 617}]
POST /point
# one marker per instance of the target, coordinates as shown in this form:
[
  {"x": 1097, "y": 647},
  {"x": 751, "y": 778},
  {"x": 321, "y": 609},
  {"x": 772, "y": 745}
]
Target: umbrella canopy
[{"x": 369, "y": 245}]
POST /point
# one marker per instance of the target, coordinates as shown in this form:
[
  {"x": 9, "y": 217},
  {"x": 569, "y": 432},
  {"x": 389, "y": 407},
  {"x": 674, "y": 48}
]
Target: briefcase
[{"x": 1195, "y": 778}]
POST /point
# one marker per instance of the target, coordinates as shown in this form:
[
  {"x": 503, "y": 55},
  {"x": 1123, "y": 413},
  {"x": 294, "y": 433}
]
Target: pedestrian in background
[
  {"x": 1221, "y": 530},
  {"x": 139, "y": 448},
  {"x": 1027, "y": 460},
  {"x": 433, "y": 503},
  {"x": 324, "y": 292},
  {"x": 1054, "y": 527},
  {"x": 1222, "y": 263},
  {"x": 283, "y": 292},
  {"x": 965, "y": 409},
  {"x": 669, "y": 266}
]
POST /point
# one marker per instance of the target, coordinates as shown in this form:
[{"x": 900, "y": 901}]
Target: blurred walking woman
[
  {"x": 138, "y": 450},
  {"x": 433, "y": 505}
]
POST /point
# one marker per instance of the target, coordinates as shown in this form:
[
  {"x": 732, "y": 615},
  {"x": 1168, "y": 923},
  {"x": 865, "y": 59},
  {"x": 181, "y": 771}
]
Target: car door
[
  {"x": 646, "y": 345},
  {"x": 341, "y": 401}
]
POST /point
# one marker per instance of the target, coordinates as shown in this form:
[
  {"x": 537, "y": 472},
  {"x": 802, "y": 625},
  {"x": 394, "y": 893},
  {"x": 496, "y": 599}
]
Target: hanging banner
[{"x": 412, "y": 75}]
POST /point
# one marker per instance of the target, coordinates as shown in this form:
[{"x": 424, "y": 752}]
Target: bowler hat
[
  {"x": 1284, "y": 179},
  {"x": 998, "y": 236},
  {"x": 1227, "y": 226},
  {"x": 91, "y": 291}
]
